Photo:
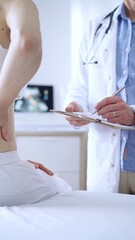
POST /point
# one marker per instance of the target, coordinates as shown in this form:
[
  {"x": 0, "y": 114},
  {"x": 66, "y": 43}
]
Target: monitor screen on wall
[{"x": 37, "y": 98}]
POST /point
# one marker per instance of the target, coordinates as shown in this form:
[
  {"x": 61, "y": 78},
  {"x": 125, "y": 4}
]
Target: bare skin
[
  {"x": 9, "y": 145},
  {"x": 4, "y": 31},
  {"x": 17, "y": 34},
  {"x": 19, "y": 21},
  {"x": 130, "y": 8}
]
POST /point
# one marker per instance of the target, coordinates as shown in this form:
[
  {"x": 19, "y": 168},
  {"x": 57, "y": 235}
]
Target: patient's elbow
[
  {"x": 29, "y": 43},
  {"x": 31, "y": 46}
]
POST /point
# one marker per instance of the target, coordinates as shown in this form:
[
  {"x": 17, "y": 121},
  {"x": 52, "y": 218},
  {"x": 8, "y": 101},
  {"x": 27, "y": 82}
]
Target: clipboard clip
[{"x": 97, "y": 121}]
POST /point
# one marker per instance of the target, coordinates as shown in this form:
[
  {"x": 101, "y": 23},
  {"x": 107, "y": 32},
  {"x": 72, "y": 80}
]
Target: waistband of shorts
[{"x": 9, "y": 157}]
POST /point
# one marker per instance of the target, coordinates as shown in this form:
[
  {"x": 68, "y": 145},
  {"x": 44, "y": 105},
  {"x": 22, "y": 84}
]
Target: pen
[{"x": 114, "y": 94}]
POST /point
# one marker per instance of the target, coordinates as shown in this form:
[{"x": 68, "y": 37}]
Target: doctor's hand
[
  {"x": 115, "y": 110},
  {"x": 41, "y": 167},
  {"x": 75, "y": 107}
]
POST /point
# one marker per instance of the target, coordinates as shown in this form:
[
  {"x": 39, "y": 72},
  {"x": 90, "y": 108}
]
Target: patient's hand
[
  {"x": 41, "y": 167},
  {"x": 3, "y": 125}
]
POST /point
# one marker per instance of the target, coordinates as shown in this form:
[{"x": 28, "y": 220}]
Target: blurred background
[{"x": 63, "y": 23}]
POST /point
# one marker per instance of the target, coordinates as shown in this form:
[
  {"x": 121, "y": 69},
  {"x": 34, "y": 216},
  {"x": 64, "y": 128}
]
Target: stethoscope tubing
[{"x": 111, "y": 14}]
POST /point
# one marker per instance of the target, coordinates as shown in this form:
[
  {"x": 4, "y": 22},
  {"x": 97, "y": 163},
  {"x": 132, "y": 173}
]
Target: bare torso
[
  {"x": 4, "y": 30},
  {"x": 4, "y": 42}
]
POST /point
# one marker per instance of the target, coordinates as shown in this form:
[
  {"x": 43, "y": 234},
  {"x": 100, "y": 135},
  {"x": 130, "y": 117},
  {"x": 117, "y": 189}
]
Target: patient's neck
[{"x": 11, "y": 144}]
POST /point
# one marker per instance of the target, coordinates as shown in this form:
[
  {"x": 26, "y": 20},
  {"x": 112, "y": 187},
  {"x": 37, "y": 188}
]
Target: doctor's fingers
[
  {"x": 125, "y": 117},
  {"x": 76, "y": 122},
  {"x": 115, "y": 107},
  {"x": 73, "y": 107},
  {"x": 108, "y": 101}
]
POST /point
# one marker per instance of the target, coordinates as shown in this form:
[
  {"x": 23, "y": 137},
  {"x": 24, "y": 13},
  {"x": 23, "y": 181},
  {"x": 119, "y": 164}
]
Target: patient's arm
[
  {"x": 24, "y": 51},
  {"x": 22, "y": 34},
  {"x": 11, "y": 144}
]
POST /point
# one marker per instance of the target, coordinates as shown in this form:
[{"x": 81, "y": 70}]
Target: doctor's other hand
[
  {"x": 75, "y": 107},
  {"x": 115, "y": 110},
  {"x": 41, "y": 167}
]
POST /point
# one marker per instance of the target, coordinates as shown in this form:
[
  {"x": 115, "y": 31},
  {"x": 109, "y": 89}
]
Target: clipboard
[{"x": 89, "y": 118}]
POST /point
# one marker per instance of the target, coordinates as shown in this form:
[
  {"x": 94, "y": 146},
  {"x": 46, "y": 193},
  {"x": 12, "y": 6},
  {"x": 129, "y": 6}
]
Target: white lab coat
[{"x": 93, "y": 83}]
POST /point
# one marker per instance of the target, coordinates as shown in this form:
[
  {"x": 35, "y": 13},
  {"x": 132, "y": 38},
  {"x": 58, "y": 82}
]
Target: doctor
[{"x": 106, "y": 63}]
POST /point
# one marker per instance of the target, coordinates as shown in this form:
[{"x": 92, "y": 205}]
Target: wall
[
  {"x": 55, "y": 17},
  {"x": 62, "y": 26}
]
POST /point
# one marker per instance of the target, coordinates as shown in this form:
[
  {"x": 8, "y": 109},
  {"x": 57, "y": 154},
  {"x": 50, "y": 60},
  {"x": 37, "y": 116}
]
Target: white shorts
[{"x": 21, "y": 183}]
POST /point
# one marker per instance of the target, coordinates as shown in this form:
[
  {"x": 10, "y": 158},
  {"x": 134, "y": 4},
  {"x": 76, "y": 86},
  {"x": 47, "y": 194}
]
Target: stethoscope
[{"x": 110, "y": 15}]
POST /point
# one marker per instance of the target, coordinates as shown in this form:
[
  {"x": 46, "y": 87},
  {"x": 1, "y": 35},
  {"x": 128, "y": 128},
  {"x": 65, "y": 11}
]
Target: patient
[{"x": 20, "y": 181}]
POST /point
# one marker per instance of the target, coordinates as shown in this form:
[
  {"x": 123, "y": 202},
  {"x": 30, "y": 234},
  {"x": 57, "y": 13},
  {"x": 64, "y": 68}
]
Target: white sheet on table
[{"x": 75, "y": 215}]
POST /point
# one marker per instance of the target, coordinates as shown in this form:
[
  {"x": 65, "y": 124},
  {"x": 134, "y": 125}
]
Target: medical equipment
[{"x": 110, "y": 15}]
